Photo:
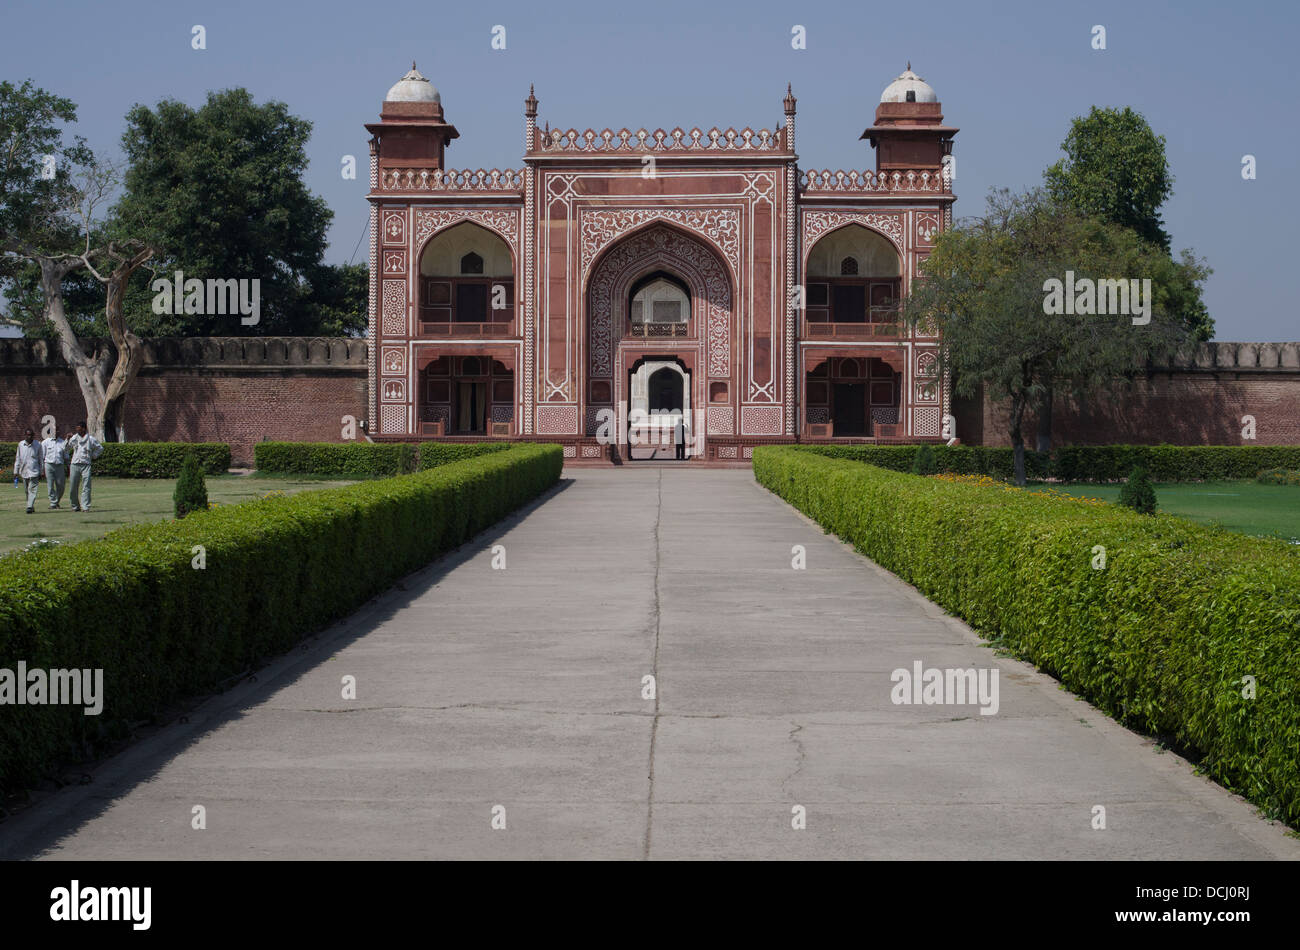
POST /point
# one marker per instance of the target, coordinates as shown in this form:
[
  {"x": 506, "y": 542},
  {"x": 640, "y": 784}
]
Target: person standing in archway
[{"x": 679, "y": 436}]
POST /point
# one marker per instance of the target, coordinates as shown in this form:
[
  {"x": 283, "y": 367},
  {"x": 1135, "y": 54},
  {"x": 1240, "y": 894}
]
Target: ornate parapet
[
  {"x": 607, "y": 141},
  {"x": 493, "y": 181},
  {"x": 931, "y": 182}
]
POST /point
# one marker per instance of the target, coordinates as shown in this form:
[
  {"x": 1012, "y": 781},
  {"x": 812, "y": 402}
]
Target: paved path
[{"x": 478, "y": 687}]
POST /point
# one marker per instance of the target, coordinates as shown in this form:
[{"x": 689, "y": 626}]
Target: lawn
[
  {"x": 1245, "y": 506},
  {"x": 119, "y": 501}
]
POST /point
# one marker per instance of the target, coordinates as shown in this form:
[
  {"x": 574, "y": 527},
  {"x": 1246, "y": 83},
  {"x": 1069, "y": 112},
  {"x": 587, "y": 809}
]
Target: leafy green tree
[
  {"x": 191, "y": 489},
  {"x": 1115, "y": 168},
  {"x": 53, "y": 199},
  {"x": 219, "y": 191},
  {"x": 984, "y": 291},
  {"x": 1138, "y": 492},
  {"x": 335, "y": 300}
]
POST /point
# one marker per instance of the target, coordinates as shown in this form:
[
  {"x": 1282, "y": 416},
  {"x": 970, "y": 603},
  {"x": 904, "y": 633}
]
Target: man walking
[
  {"x": 55, "y": 453},
  {"x": 85, "y": 448},
  {"x": 27, "y": 466}
]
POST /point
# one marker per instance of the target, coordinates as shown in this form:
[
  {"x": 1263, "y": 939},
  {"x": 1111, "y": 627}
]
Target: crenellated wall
[
  {"x": 1202, "y": 401},
  {"x": 242, "y": 390},
  {"x": 239, "y": 390}
]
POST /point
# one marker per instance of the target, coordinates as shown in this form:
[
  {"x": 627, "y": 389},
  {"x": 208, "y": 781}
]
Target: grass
[
  {"x": 1271, "y": 511},
  {"x": 119, "y": 501}
]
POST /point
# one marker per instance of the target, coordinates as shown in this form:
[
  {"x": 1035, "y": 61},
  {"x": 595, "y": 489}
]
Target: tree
[
  {"x": 191, "y": 490},
  {"x": 985, "y": 291},
  {"x": 219, "y": 191},
  {"x": 52, "y": 196},
  {"x": 1115, "y": 168},
  {"x": 1138, "y": 493}
]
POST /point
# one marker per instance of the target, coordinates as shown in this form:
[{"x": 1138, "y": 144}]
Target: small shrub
[
  {"x": 1137, "y": 492},
  {"x": 924, "y": 463},
  {"x": 191, "y": 491}
]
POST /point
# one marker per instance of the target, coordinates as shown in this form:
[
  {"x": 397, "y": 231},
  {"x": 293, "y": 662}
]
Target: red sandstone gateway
[{"x": 632, "y": 272}]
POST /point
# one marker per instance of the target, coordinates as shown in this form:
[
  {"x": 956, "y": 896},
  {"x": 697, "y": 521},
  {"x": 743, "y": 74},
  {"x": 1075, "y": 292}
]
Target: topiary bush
[
  {"x": 276, "y": 569},
  {"x": 1138, "y": 492},
  {"x": 191, "y": 492},
  {"x": 1160, "y": 638},
  {"x": 924, "y": 463}
]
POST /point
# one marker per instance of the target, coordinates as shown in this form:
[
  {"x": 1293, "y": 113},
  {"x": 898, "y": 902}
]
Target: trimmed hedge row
[
  {"x": 275, "y": 570},
  {"x": 1171, "y": 463},
  {"x": 364, "y": 459},
  {"x": 1084, "y": 463},
  {"x": 146, "y": 459},
  {"x": 1161, "y": 638}
]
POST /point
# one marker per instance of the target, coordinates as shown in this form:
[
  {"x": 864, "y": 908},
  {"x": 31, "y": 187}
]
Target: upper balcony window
[
  {"x": 660, "y": 300},
  {"x": 467, "y": 283}
]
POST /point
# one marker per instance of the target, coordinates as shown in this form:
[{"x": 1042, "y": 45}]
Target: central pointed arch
[{"x": 660, "y": 247}]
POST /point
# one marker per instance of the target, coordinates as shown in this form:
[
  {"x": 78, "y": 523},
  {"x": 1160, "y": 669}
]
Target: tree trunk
[
  {"x": 1044, "y": 440},
  {"x": 86, "y": 369},
  {"x": 130, "y": 349},
  {"x": 1017, "y": 436}
]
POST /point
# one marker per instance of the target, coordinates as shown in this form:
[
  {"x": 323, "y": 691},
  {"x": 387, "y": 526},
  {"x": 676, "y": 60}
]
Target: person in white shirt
[
  {"x": 55, "y": 453},
  {"x": 85, "y": 448},
  {"x": 27, "y": 466}
]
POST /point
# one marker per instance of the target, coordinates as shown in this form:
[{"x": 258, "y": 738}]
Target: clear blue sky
[{"x": 1218, "y": 80}]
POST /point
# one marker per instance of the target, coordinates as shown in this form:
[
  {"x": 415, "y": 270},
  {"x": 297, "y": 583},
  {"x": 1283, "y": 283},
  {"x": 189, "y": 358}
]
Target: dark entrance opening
[
  {"x": 849, "y": 410},
  {"x": 665, "y": 393}
]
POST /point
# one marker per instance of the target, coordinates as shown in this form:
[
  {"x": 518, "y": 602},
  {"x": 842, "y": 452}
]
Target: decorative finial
[
  {"x": 530, "y": 89},
  {"x": 788, "y": 90},
  {"x": 412, "y": 64},
  {"x": 909, "y": 65}
]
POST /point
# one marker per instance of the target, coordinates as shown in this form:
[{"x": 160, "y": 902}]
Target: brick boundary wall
[
  {"x": 1199, "y": 403},
  {"x": 243, "y": 390},
  {"x": 240, "y": 390}
]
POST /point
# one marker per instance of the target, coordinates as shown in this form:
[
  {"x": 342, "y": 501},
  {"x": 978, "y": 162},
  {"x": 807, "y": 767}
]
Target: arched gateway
[
  {"x": 700, "y": 272},
  {"x": 659, "y": 331}
]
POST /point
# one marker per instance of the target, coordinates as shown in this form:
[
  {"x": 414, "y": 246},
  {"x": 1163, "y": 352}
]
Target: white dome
[
  {"x": 413, "y": 88},
  {"x": 909, "y": 81}
]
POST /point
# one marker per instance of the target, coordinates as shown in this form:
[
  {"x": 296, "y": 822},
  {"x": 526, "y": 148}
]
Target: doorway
[
  {"x": 659, "y": 409},
  {"x": 849, "y": 409}
]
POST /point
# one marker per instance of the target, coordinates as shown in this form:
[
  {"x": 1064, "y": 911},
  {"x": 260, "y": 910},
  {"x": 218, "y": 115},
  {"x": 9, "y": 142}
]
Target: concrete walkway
[{"x": 523, "y": 688}]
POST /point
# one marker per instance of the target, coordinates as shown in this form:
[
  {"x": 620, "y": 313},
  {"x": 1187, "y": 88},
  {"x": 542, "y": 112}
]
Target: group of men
[{"x": 56, "y": 455}]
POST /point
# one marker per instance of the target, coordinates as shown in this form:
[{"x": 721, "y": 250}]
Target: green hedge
[
  {"x": 276, "y": 569},
  {"x": 146, "y": 459},
  {"x": 994, "y": 461},
  {"x": 1171, "y": 463},
  {"x": 345, "y": 459},
  {"x": 1161, "y": 638},
  {"x": 1084, "y": 463},
  {"x": 364, "y": 459},
  {"x": 432, "y": 454}
]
